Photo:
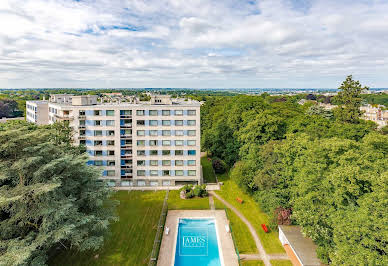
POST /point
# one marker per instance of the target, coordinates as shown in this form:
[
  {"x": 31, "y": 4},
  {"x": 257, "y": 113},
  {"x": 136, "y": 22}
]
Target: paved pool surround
[{"x": 228, "y": 254}]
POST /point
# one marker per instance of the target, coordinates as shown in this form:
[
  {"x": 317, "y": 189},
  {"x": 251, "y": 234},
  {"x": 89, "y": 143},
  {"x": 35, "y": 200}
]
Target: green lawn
[
  {"x": 252, "y": 263},
  {"x": 230, "y": 191},
  {"x": 281, "y": 263},
  {"x": 207, "y": 168},
  {"x": 132, "y": 237},
  {"x": 242, "y": 237},
  {"x": 176, "y": 203}
]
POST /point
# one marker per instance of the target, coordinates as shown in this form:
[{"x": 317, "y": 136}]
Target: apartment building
[
  {"x": 155, "y": 143},
  {"x": 37, "y": 112},
  {"x": 377, "y": 114}
]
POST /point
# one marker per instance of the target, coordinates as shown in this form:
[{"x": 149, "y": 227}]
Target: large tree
[
  {"x": 349, "y": 100},
  {"x": 49, "y": 197}
]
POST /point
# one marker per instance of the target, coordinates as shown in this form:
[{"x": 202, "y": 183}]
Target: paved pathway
[{"x": 211, "y": 202}]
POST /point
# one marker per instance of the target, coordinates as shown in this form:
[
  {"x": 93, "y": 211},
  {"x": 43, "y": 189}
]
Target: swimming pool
[{"x": 197, "y": 243}]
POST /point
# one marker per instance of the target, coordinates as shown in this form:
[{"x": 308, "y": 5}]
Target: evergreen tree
[{"x": 49, "y": 197}]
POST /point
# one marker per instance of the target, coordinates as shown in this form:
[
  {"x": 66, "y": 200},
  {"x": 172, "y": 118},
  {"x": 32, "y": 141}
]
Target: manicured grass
[
  {"x": 132, "y": 237},
  {"x": 242, "y": 237},
  {"x": 281, "y": 263},
  {"x": 230, "y": 191},
  {"x": 176, "y": 203},
  {"x": 207, "y": 168},
  {"x": 252, "y": 263}
]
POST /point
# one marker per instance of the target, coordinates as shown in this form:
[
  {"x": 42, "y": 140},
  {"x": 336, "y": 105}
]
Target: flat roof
[{"x": 304, "y": 247}]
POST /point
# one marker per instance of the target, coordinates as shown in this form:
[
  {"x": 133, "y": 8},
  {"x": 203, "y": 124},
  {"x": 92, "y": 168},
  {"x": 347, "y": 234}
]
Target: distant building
[
  {"x": 154, "y": 143},
  {"x": 377, "y": 114}
]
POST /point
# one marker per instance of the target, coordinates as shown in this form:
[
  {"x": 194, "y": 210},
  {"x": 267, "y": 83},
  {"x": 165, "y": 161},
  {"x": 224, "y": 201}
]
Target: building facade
[{"x": 155, "y": 143}]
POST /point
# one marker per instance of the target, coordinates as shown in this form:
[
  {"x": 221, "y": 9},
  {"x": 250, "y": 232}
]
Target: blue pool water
[{"x": 197, "y": 243}]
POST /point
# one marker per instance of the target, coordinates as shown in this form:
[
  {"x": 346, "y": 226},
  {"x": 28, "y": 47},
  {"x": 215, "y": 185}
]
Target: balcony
[
  {"x": 82, "y": 137},
  {"x": 126, "y": 146},
  {"x": 81, "y": 116},
  {"x": 126, "y": 156},
  {"x": 81, "y": 126},
  {"x": 126, "y": 166},
  {"x": 125, "y": 116},
  {"x": 127, "y": 125},
  {"x": 126, "y": 136}
]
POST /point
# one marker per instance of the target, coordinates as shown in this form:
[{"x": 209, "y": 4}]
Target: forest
[{"x": 326, "y": 171}]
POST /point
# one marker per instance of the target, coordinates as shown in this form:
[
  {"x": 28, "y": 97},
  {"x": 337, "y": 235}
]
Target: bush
[
  {"x": 197, "y": 191},
  {"x": 187, "y": 188},
  {"x": 219, "y": 166},
  {"x": 190, "y": 194}
]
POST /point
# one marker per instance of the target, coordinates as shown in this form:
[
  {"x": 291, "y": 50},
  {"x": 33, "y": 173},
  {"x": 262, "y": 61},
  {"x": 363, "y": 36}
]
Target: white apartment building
[
  {"x": 377, "y": 114},
  {"x": 37, "y": 112},
  {"x": 155, "y": 143}
]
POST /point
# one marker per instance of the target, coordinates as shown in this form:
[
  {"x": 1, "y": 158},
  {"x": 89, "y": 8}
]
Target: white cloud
[{"x": 199, "y": 43}]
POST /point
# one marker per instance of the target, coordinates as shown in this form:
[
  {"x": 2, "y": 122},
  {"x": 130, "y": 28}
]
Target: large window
[
  {"x": 166, "y": 112},
  {"x": 110, "y": 172},
  {"x": 153, "y": 132},
  {"x": 166, "y": 152},
  {"x": 140, "y": 122},
  {"x": 191, "y": 112},
  {"x": 166, "y": 162},
  {"x": 191, "y": 172},
  {"x": 110, "y": 133},
  {"x": 125, "y": 112},
  {"x": 154, "y": 172},
  {"x": 110, "y": 112},
  {"x": 166, "y": 172},
  {"x": 141, "y": 172},
  {"x": 110, "y": 142},
  {"x": 153, "y": 143},
  {"x": 140, "y": 112},
  {"x": 179, "y": 143},
  {"x": 191, "y": 122},
  {"x": 178, "y": 112},
  {"x": 110, "y": 122},
  {"x": 98, "y": 133},
  {"x": 98, "y": 143},
  {"x": 178, "y": 152},
  {"x": 140, "y": 163},
  {"x": 97, "y": 112},
  {"x": 111, "y": 153},
  {"x": 191, "y": 162},
  {"x": 153, "y": 122},
  {"x": 179, "y": 172},
  {"x": 141, "y": 132},
  {"x": 98, "y": 163},
  {"x": 153, "y": 152},
  {"x": 141, "y": 153},
  {"x": 178, "y": 162},
  {"x": 166, "y": 122},
  {"x": 166, "y": 132},
  {"x": 97, "y": 153},
  {"x": 191, "y": 142},
  {"x": 82, "y": 122},
  {"x": 179, "y": 122},
  {"x": 191, "y": 132},
  {"x": 191, "y": 152},
  {"x": 166, "y": 142},
  {"x": 153, "y": 112},
  {"x": 111, "y": 163},
  {"x": 179, "y": 133},
  {"x": 140, "y": 143},
  {"x": 154, "y": 162}
]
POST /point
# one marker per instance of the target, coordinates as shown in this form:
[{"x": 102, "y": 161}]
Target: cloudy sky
[{"x": 192, "y": 43}]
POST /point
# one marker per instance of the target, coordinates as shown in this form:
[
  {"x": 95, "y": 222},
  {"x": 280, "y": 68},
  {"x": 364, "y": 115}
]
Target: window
[
  {"x": 126, "y": 132},
  {"x": 97, "y": 112},
  {"x": 166, "y": 172},
  {"x": 111, "y": 153},
  {"x": 81, "y": 112},
  {"x": 191, "y": 122},
  {"x": 166, "y": 152},
  {"x": 140, "y": 173},
  {"x": 166, "y": 162},
  {"x": 110, "y": 133},
  {"x": 179, "y": 152},
  {"x": 191, "y": 152},
  {"x": 166, "y": 142},
  {"x": 98, "y": 163},
  {"x": 166, "y": 112},
  {"x": 141, "y": 132},
  {"x": 166, "y": 132},
  {"x": 82, "y": 122},
  {"x": 153, "y": 132},
  {"x": 191, "y": 112},
  {"x": 110, "y": 122},
  {"x": 166, "y": 183},
  {"x": 154, "y": 162},
  {"x": 191, "y": 132},
  {"x": 178, "y": 162},
  {"x": 166, "y": 122},
  {"x": 179, "y": 172},
  {"x": 191, "y": 163},
  {"x": 97, "y": 153},
  {"x": 82, "y": 132},
  {"x": 125, "y": 112},
  {"x": 153, "y": 152},
  {"x": 141, "y": 183},
  {"x": 97, "y": 122},
  {"x": 110, "y": 172},
  {"x": 153, "y": 112},
  {"x": 153, "y": 142},
  {"x": 140, "y": 163},
  {"x": 140, "y": 122},
  {"x": 111, "y": 163},
  {"x": 110, "y": 112},
  {"x": 179, "y": 133},
  {"x": 140, "y": 112},
  {"x": 191, "y": 142},
  {"x": 98, "y": 143},
  {"x": 179, "y": 122},
  {"x": 153, "y": 122},
  {"x": 178, "y": 112},
  {"x": 141, "y": 152},
  {"x": 110, "y": 142},
  {"x": 191, "y": 172},
  {"x": 140, "y": 143},
  {"x": 154, "y": 172},
  {"x": 82, "y": 142},
  {"x": 98, "y": 133},
  {"x": 179, "y": 143}
]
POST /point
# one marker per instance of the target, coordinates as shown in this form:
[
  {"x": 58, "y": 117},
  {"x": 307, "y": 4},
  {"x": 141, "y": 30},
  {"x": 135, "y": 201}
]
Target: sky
[{"x": 193, "y": 43}]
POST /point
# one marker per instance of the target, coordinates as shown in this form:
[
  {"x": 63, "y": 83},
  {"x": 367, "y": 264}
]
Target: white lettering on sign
[{"x": 194, "y": 241}]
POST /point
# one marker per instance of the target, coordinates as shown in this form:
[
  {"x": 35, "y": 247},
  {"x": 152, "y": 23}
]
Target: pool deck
[{"x": 167, "y": 249}]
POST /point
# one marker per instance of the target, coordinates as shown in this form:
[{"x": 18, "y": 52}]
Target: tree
[
  {"x": 49, "y": 198},
  {"x": 349, "y": 100}
]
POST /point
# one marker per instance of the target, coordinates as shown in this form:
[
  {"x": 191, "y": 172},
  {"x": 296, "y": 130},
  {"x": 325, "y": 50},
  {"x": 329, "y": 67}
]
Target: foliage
[
  {"x": 9, "y": 108},
  {"x": 218, "y": 165},
  {"x": 197, "y": 191},
  {"x": 319, "y": 110},
  {"x": 349, "y": 100},
  {"x": 49, "y": 197}
]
